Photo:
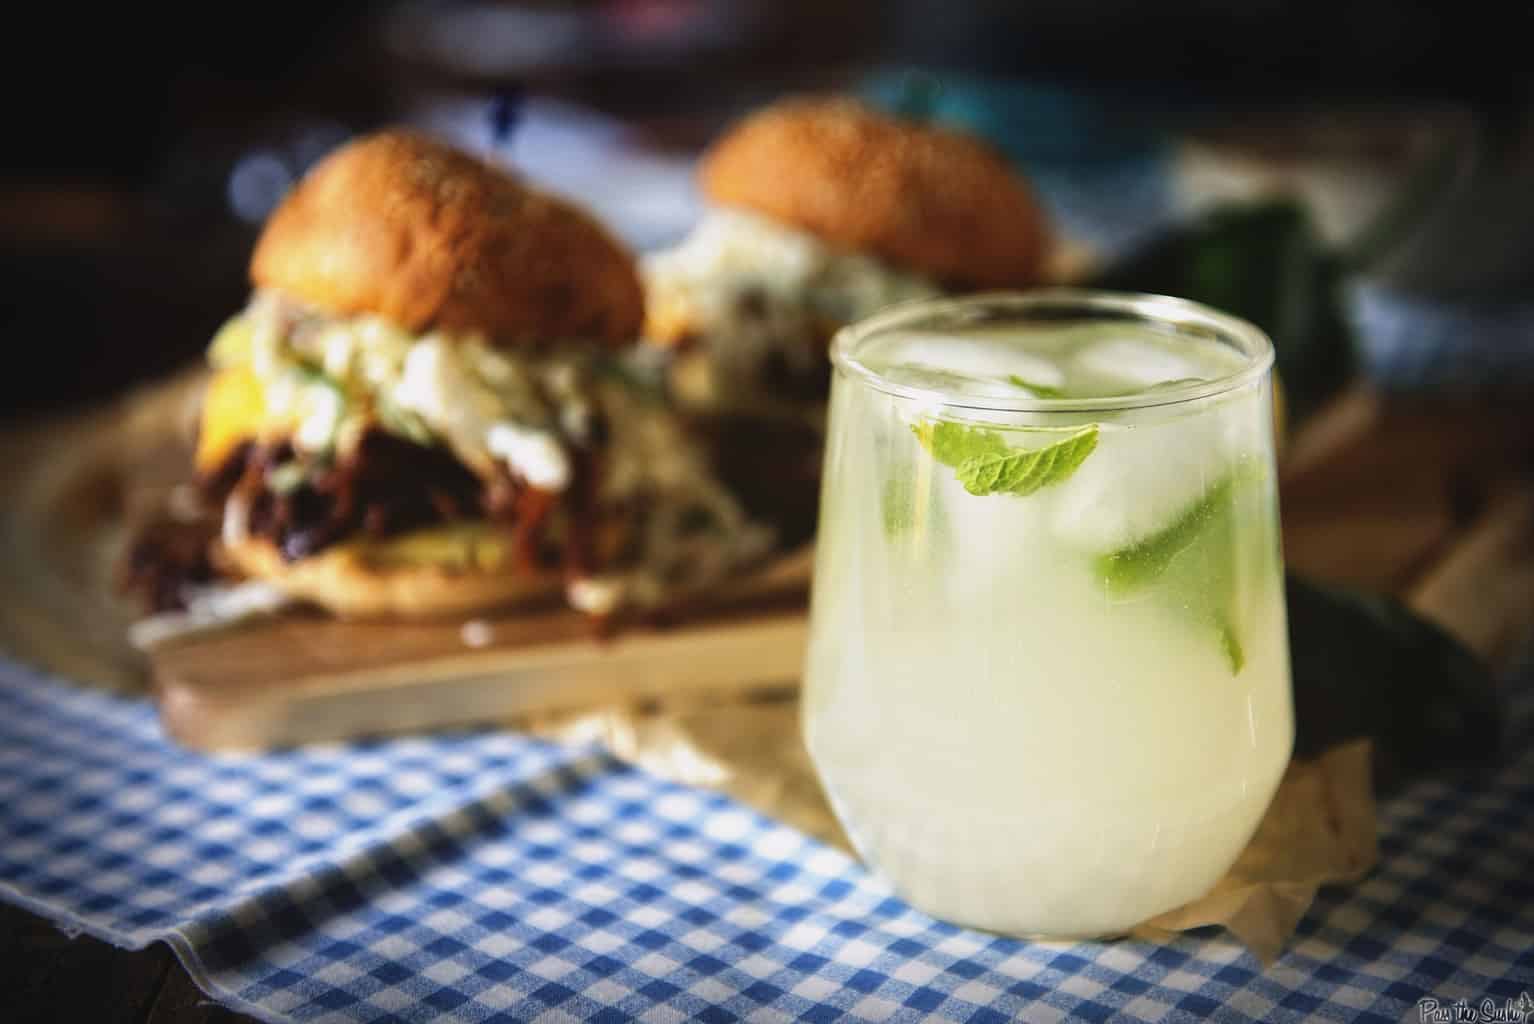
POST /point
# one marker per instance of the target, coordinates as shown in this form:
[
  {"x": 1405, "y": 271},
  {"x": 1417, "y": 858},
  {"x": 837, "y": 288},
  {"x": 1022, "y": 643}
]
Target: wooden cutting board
[
  {"x": 1418, "y": 501},
  {"x": 304, "y": 677}
]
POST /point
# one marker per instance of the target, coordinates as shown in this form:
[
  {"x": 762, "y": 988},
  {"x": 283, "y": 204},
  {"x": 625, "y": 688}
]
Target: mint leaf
[
  {"x": 1025, "y": 471},
  {"x": 1130, "y": 568},
  {"x": 1039, "y": 390},
  {"x": 985, "y": 464},
  {"x": 953, "y": 444},
  {"x": 1230, "y": 643},
  {"x": 1194, "y": 557}
]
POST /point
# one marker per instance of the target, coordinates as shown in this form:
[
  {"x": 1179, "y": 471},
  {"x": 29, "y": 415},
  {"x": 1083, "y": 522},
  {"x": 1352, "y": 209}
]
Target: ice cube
[
  {"x": 1035, "y": 370},
  {"x": 1141, "y": 479},
  {"x": 940, "y": 378},
  {"x": 1126, "y": 365},
  {"x": 983, "y": 361}
]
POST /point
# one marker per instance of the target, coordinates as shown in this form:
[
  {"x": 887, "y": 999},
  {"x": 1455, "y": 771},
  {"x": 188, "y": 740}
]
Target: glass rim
[{"x": 1246, "y": 337}]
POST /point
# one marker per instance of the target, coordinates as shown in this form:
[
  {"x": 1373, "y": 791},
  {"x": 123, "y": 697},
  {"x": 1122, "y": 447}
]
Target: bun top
[
  {"x": 413, "y": 230},
  {"x": 921, "y": 197}
]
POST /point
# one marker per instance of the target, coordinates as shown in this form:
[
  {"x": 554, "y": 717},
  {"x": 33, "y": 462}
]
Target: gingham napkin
[{"x": 486, "y": 876}]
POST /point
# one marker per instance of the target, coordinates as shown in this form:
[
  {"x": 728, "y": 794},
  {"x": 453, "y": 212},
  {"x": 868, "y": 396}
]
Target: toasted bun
[
  {"x": 342, "y": 581},
  {"x": 925, "y": 198},
  {"x": 408, "y": 228}
]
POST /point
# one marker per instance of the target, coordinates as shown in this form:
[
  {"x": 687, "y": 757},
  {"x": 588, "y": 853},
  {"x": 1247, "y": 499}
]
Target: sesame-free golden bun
[
  {"x": 404, "y": 227},
  {"x": 347, "y": 582},
  {"x": 925, "y": 198},
  {"x": 408, "y": 228}
]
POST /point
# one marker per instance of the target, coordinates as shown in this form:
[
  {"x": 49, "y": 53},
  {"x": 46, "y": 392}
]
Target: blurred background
[{"x": 1355, "y": 175}]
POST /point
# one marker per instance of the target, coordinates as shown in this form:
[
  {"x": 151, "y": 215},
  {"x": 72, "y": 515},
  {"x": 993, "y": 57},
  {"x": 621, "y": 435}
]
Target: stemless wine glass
[{"x": 1048, "y": 682}]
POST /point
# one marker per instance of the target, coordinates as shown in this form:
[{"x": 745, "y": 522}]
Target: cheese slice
[{"x": 233, "y": 410}]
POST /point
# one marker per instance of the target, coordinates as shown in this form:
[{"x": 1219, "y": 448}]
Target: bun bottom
[{"x": 347, "y": 584}]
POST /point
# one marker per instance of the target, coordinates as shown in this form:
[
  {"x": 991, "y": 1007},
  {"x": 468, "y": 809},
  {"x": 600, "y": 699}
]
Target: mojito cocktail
[{"x": 1048, "y": 682}]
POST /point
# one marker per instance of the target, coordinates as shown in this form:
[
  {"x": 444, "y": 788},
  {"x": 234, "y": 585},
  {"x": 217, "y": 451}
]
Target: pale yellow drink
[{"x": 1048, "y": 685}]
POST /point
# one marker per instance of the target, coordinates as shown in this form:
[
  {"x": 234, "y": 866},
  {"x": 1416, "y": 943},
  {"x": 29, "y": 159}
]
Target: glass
[{"x": 1047, "y": 688}]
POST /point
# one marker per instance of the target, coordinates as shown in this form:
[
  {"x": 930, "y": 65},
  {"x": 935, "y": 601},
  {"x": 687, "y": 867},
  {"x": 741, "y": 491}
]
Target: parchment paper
[{"x": 1319, "y": 830}]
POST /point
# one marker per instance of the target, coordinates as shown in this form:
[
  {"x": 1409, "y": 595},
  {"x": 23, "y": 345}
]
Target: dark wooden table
[{"x": 45, "y": 975}]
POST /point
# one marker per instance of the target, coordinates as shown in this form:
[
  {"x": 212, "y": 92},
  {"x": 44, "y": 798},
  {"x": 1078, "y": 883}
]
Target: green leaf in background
[
  {"x": 1263, "y": 262},
  {"x": 1366, "y": 665},
  {"x": 985, "y": 464}
]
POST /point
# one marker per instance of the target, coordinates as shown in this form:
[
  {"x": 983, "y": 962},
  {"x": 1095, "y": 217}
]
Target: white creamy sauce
[
  {"x": 757, "y": 287},
  {"x": 439, "y": 383},
  {"x": 482, "y": 402},
  {"x": 322, "y": 410},
  {"x": 534, "y": 454}
]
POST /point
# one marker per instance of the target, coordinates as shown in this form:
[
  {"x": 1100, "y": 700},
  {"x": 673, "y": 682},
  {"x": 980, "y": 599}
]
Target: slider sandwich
[
  {"x": 425, "y": 409},
  {"x": 821, "y": 212}
]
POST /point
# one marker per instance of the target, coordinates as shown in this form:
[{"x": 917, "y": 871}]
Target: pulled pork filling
[
  {"x": 382, "y": 487},
  {"x": 765, "y": 298},
  {"x": 167, "y": 560},
  {"x": 341, "y": 430}
]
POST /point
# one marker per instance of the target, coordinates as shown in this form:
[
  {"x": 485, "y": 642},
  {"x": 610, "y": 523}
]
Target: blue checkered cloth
[{"x": 486, "y": 876}]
